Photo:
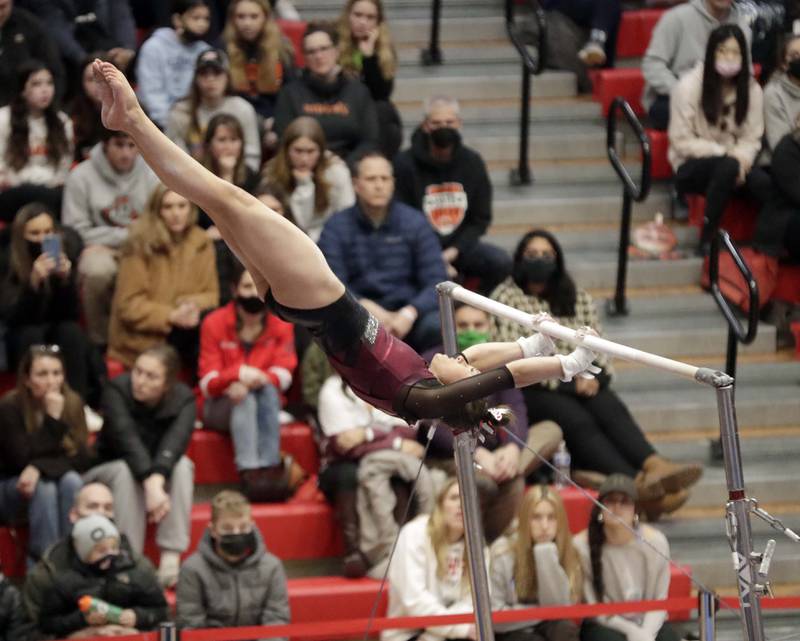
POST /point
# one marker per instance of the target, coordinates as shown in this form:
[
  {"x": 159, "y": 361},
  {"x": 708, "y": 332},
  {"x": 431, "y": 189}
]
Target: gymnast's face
[{"x": 448, "y": 369}]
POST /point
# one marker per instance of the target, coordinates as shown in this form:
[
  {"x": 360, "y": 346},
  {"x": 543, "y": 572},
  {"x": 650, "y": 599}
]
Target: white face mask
[{"x": 727, "y": 68}]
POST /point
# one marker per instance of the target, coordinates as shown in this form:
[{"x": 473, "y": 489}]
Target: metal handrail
[
  {"x": 631, "y": 192},
  {"x": 531, "y": 65},
  {"x": 736, "y": 331},
  {"x": 433, "y": 54}
]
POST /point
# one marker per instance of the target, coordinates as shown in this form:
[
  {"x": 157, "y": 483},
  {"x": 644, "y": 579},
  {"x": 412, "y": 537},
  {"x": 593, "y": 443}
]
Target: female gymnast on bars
[{"x": 291, "y": 272}]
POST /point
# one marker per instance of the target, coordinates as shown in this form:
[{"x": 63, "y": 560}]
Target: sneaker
[
  {"x": 169, "y": 567},
  {"x": 593, "y": 54}
]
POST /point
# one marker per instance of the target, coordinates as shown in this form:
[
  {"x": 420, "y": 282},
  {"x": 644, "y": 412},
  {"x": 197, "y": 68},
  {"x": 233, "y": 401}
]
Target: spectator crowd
[{"x": 122, "y": 312}]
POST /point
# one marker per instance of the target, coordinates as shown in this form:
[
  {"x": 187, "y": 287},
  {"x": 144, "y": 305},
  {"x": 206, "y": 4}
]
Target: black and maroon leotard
[{"x": 383, "y": 370}]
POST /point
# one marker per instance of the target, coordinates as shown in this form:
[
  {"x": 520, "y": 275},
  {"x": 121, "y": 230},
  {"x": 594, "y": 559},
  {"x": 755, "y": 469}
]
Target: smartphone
[{"x": 51, "y": 245}]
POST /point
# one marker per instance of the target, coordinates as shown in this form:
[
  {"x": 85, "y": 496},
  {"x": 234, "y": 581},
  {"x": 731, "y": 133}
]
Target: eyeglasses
[
  {"x": 45, "y": 349},
  {"x": 314, "y": 52}
]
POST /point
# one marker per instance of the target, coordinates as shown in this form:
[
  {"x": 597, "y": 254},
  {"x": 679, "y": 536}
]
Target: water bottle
[
  {"x": 562, "y": 462},
  {"x": 88, "y": 604}
]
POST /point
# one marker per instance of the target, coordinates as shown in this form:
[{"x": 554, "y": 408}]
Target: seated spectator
[
  {"x": 43, "y": 447},
  {"x": 262, "y": 58},
  {"x": 84, "y": 109},
  {"x": 39, "y": 295},
  {"x": 386, "y": 254},
  {"x": 601, "y": 19},
  {"x": 623, "y": 561},
  {"x": 366, "y": 507},
  {"x": 167, "y": 278},
  {"x": 211, "y": 94},
  {"x": 166, "y": 61},
  {"x": 341, "y": 104},
  {"x": 101, "y": 570},
  {"x": 247, "y": 360},
  {"x": 103, "y": 195},
  {"x": 14, "y": 621},
  {"x": 366, "y": 52},
  {"x": 782, "y": 98},
  {"x": 149, "y": 418},
  {"x": 274, "y": 197},
  {"x": 428, "y": 575},
  {"x": 449, "y": 182},
  {"x": 599, "y": 430},
  {"x": 678, "y": 43},
  {"x": 537, "y": 566},
  {"x": 503, "y": 465},
  {"x": 317, "y": 181},
  {"x": 715, "y": 128},
  {"x": 232, "y": 553},
  {"x": 24, "y": 39},
  {"x": 35, "y": 143}
]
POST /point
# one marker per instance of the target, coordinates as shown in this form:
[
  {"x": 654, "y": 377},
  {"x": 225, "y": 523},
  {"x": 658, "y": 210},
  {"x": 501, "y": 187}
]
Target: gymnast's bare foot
[{"x": 121, "y": 110}]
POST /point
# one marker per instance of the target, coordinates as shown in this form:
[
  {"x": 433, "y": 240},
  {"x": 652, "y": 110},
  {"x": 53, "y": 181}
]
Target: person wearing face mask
[
  {"x": 166, "y": 61},
  {"x": 232, "y": 579},
  {"x": 598, "y": 428},
  {"x": 247, "y": 359},
  {"x": 782, "y": 97},
  {"x": 448, "y": 181},
  {"x": 716, "y": 127},
  {"x": 101, "y": 568}
]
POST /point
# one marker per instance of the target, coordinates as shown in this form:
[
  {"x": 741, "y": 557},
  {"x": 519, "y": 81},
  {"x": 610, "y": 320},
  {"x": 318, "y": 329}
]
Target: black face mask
[
  {"x": 793, "y": 68},
  {"x": 445, "y": 137},
  {"x": 534, "y": 270},
  {"x": 34, "y": 248},
  {"x": 190, "y": 36},
  {"x": 251, "y": 304},
  {"x": 238, "y": 545},
  {"x": 97, "y": 566}
]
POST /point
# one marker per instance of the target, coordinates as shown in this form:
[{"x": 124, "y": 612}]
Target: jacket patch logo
[
  {"x": 120, "y": 213},
  {"x": 445, "y": 205},
  {"x": 323, "y": 108}
]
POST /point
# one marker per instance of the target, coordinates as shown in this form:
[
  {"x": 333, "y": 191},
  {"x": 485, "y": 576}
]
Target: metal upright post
[
  {"x": 433, "y": 54},
  {"x": 620, "y": 304},
  {"x": 522, "y": 174},
  {"x": 465, "y": 443},
  {"x": 708, "y": 615},
  {"x": 167, "y": 631}
]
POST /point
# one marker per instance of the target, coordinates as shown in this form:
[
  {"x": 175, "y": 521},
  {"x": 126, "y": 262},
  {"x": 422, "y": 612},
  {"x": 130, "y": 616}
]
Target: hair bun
[{"x": 497, "y": 416}]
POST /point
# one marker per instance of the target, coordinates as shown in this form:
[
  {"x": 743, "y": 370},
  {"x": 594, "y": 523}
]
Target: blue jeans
[
  {"x": 48, "y": 508},
  {"x": 254, "y": 426}
]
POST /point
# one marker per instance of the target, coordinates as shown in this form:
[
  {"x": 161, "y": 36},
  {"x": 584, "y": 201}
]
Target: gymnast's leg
[{"x": 277, "y": 254}]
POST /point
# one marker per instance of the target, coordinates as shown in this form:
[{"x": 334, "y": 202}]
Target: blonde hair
[
  {"x": 525, "y": 562},
  {"x": 229, "y": 502},
  {"x": 149, "y": 234},
  {"x": 348, "y": 49},
  {"x": 270, "y": 48},
  {"x": 437, "y": 531}
]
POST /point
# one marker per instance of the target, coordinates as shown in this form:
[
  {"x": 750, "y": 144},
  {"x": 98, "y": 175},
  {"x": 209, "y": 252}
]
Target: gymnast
[{"x": 291, "y": 274}]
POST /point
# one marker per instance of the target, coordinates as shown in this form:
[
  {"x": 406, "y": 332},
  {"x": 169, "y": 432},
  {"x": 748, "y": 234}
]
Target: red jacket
[{"x": 222, "y": 352}]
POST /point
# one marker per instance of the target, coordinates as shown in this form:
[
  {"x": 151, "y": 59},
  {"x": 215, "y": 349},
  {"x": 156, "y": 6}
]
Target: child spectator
[
  {"x": 317, "y": 181},
  {"x": 84, "y": 109},
  {"x": 716, "y": 127},
  {"x": 623, "y": 561},
  {"x": 211, "y": 94},
  {"x": 599, "y": 430},
  {"x": 167, "y": 277},
  {"x": 103, "y": 195},
  {"x": 230, "y": 554},
  {"x": 246, "y": 364},
  {"x": 102, "y": 570},
  {"x": 782, "y": 97},
  {"x": 35, "y": 143},
  {"x": 429, "y": 575},
  {"x": 341, "y": 104},
  {"x": 43, "y": 446},
  {"x": 262, "y": 59},
  {"x": 166, "y": 61},
  {"x": 366, "y": 52},
  {"x": 538, "y": 565},
  {"x": 39, "y": 295},
  {"x": 14, "y": 623},
  {"x": 149, "y": 418}
]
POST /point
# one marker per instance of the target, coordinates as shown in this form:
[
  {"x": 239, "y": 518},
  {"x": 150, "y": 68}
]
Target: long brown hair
[
  {"x": 168, "y": 356},
  {"x": 348, "y": 49},
  {"x": 73, "y": 415},
  {"x": 279, "y": 169},
  {"x": 149, "y": 234},
  {"x": 211, "y": 163},
  {"x": 270, "y": 49},
  {"x": 20, "y": 259},
  {"x": 524, "y": 561},
  {"x": 437, "y": 531},
  {"x": 191, "y": 103},
  {"x": 18, "y": 150}
]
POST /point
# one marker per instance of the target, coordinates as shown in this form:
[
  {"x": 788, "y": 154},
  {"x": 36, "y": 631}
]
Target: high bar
[{"x": 595, "y": 343}]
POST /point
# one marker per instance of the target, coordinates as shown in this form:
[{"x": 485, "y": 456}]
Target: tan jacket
[
  {"x": 150, "y": 287},
  {"x": 692, "y": 136}
]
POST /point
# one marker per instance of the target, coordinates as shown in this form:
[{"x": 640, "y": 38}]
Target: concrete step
[
  {"x": 551, "y": 84},
  {"x": 403, "y": 9},
  {"x": 456, "y": 29},
  {"x": 414, "y": 70},
  {"x": 599, "y": 269},
  {"x": 556, "y": 172},
  {"x": 770, "y": 448},
  {"x": 486, "y": 52}
]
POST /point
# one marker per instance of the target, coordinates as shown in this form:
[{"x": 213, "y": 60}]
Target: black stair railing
[
  {"x": 433, "y": 54},
  {"x": 631, "y": 192}
]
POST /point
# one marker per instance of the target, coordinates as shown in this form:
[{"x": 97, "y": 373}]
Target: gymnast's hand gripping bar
[{"x": 594, "y": 343}]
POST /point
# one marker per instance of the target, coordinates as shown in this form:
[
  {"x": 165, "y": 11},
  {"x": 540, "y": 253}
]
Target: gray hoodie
[
  {"x": 164, "y": 71},
  {"x": 212, "y": 593},
  {"x": 100, "y": 203},
  {"x": 781, "y": 112},
  {"x": 678, "y": 43}
]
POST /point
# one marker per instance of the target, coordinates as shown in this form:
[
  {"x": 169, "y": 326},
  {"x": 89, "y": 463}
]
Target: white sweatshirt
[{"x": 341, "y": 197}]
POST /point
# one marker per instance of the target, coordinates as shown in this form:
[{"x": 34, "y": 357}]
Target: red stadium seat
[
  {"x": 739, "y": 219},
  {"x": 13, "y": 546},
  {"x": 294, "y": 30},
  {"x": 635, "y": 31},
  {"x": 610, "y": 83},
  {"x": 659, "y": 145}
]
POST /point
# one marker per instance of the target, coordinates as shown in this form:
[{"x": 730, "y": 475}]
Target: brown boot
[
  {"x": 653, "y": 510},
  {"x": 588, "y": 478},
  {"x": 672, "y": 476},
  {"x": 355, "y": 564}
]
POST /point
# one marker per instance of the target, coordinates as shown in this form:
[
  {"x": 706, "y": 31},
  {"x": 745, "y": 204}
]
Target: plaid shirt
[{"x": 503, "y": 329}]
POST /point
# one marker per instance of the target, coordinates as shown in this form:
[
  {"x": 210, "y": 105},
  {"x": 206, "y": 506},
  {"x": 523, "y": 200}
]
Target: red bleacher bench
[
  {"x": 635, "y": 31},
  {"x": 294, "y": 30},
  {"x": 739, "y": 219},
  {"x": 628, "y": 83}
]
